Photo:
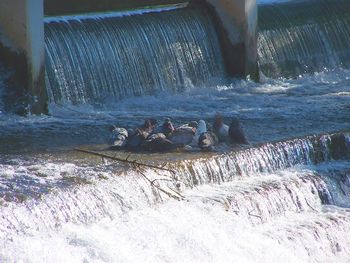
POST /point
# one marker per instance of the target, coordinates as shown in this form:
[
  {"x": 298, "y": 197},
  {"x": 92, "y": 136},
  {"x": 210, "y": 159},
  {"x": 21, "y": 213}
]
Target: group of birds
[{"x": 166, "y": 137}]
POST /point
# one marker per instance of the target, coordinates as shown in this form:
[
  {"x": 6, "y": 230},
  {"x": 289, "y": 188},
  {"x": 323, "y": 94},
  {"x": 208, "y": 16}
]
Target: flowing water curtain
[
  {"x": 303, "y": 37},
  {"x": 93, "y": 59},
  {"x": 93, "y": 198}
]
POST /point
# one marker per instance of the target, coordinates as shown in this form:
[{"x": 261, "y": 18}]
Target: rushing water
[
  {"x": 303, "y": 36},
  {"x": 90, "y": 60},
  {"x": 272, "y": 194},
  {"x": 281, "y": 199}
]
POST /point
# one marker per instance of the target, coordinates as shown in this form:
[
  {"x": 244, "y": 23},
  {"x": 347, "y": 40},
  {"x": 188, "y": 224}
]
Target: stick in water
[{"x": 124, "y": 160}]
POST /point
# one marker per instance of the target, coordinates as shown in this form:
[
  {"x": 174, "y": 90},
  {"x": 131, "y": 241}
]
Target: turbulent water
[
  {"x": 278, "y": 201},
  {"x": 272, "y": 110},
  {"x": 256, "y": 205},
  {"x": 284, "y": 198}
]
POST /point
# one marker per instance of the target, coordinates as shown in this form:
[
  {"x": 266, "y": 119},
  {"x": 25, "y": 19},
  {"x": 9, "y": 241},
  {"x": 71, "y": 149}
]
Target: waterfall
[
  {"x": 98, "y": 59},
  {"x": 279, "y": 201},
  {"x": 300, "y": 37},
  {"x": 86, "y": 210},
  {"x": 111, "y": 196}
]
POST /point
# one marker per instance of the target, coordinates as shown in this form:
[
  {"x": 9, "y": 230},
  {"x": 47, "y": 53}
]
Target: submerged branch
[
  {"x": 257, "y": 216},
  {"x": 137, "y": 165},
  {"x": 308, "y": 204},
  {"x": 134, "y": 162},
  {"x": 178, "y": 196}
]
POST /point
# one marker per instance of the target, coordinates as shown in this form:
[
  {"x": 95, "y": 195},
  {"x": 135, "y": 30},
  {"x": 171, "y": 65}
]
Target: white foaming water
[
  {"x": 270, "y": 218},
  {"x": 191, "y": 232},
  {"x": 253, "y": 206},
  {"x": 246, "y": 206},
  {"x": 245, "y": 98},
  {"x": 269, "y": 203}
]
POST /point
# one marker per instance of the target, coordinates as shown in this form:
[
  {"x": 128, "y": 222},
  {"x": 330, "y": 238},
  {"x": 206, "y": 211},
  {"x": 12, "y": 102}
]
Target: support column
[
  {"x": 237, "y": 24},
  {"x": 22, "y": 35}
]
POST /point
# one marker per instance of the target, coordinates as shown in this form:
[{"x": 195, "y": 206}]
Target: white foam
[
  {"x": 120, "y": 219},
  {"x": 190, "y": 232}
]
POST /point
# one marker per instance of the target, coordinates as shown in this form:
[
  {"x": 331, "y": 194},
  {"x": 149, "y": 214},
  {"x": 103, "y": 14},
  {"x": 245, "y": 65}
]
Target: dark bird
[
  {"x": 236, "y": 132},
  {"x": 140, "y": 134},
  {"x": 220, "y": 128},
  {"x": 158, "y": 143},
  {"x": 167, "y": 127}
]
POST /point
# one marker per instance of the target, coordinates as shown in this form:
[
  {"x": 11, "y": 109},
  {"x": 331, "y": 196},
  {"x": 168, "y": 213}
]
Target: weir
[
  {"x": 285, "y": 200},
  {"x": 235, "y": 21},
  {"x": 100, "y": 59},
  {"x": 299, "y": 37},
  {"x": 259, "y": 191},
  {"x": 291, "y": 42}
]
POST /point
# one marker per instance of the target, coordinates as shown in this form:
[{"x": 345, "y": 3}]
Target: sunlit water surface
[
  {"x": 58, "y": 206},
  {"x": 286, "y": 201},
  {"x": 271, "y": 110}
]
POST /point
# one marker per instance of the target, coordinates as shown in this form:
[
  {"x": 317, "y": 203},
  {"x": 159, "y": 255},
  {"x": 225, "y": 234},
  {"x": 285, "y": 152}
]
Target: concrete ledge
[
  {"x": 66, "y": 7},
  {"x": 22, "y": 30}
]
